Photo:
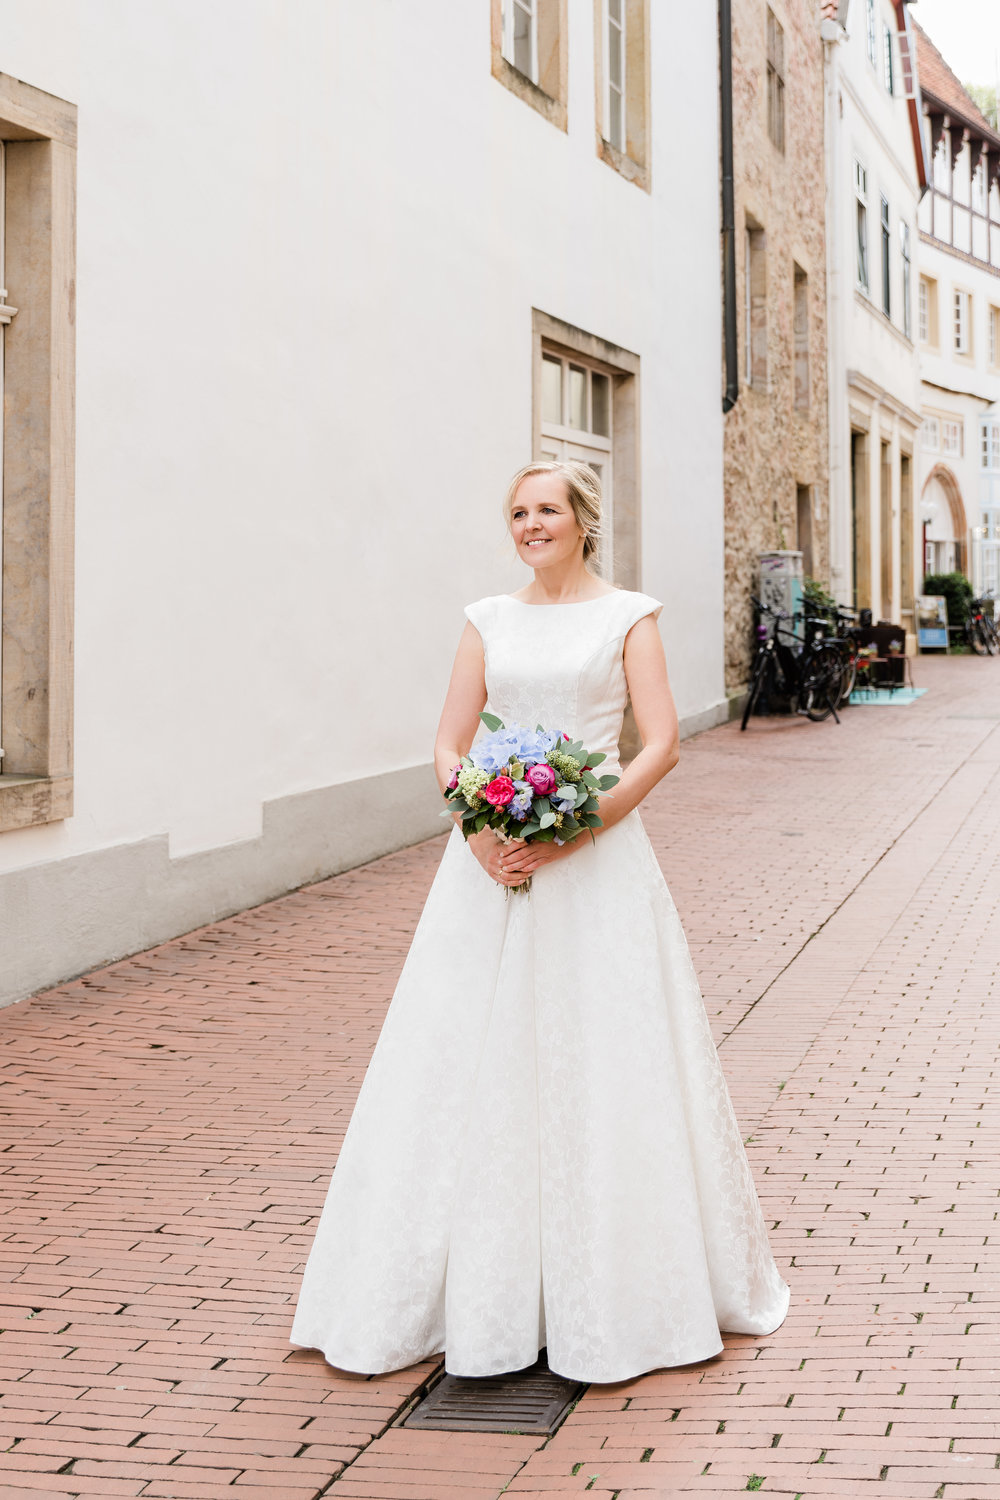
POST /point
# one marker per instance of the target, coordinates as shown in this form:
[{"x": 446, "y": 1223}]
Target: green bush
[
  {"x": 956, "y": 588},
  {"x": 816, "y": 595}
]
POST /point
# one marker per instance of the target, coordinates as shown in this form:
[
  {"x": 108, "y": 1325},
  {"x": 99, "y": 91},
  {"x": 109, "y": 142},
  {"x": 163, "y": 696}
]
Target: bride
[{"x": 544, "y": 1151}]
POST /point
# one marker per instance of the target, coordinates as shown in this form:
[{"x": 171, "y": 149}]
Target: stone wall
[{"x": 774, "y": 445}]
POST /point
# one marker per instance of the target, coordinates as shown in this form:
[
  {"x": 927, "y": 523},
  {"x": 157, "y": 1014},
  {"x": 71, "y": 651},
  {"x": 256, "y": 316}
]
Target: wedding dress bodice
[{"x": 560, "y": 665}]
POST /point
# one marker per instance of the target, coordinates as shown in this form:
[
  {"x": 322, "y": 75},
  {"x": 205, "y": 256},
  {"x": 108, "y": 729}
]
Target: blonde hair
[{"x": 583, "y": 491}]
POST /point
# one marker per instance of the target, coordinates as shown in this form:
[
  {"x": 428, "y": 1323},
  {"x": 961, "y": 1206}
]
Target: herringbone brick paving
[{"x": 171, "y": 1121}]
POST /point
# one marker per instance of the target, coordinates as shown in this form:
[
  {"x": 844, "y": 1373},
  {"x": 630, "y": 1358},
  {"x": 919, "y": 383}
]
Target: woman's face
[{"x": 542, "y": 522}]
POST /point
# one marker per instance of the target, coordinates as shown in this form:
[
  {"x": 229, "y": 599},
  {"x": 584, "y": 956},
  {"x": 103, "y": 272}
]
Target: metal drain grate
[{"x": 532, "y": 1400}]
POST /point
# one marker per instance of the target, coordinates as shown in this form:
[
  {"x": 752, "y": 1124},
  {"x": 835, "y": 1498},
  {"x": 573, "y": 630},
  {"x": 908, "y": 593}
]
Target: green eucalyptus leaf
[
  {"x": 607, "y": 782},
  {"x": 491, "y": 721},
  {"x": 595, "y": 760},
  {"x": 547, "y": 820},
  {"x": 545, "y": 836},
  {"x": 589, "y": 779}
]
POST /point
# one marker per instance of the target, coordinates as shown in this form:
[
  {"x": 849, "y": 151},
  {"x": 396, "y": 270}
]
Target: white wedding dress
[{"x": 544, "y": 1150}]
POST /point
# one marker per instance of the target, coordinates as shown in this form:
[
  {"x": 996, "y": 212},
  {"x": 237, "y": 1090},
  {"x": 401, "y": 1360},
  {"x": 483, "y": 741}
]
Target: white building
[
  {"x": 876, "y": 172},
  {"x": 338, "y": 273},
  {"x": 959, "y": 332}
]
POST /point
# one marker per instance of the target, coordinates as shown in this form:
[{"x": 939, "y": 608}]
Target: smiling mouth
[{"x": 538, "y": 541}]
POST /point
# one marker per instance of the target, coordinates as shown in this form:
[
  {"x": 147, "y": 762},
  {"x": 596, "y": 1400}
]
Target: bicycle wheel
[
  {"x": 820, "y": 685},
  {"x": 757, "y": 679},
  {"x": 848, "y": 677},
  {"x": 977, "y": 638}
]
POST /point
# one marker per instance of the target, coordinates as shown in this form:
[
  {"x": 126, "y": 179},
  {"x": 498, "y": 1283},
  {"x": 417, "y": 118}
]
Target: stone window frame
[
  {"x": 36, "y": 689},
  {"x": 550, "y": 333},
  {"x": 550, "y": 95},
  {"x": 634, "y": 163}
]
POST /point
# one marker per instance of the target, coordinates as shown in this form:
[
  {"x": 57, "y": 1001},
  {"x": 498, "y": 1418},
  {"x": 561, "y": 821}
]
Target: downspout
[{"x": 728, "y": 205}]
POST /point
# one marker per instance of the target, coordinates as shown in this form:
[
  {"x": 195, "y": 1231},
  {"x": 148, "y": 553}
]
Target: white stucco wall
[
  {"x": 310, "y": 240},
  {"x": 867, "y": 124}
]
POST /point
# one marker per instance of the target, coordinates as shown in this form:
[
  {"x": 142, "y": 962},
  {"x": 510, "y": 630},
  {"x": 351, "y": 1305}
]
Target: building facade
[
  {"x": 958, "y": 324},
  {"x": 876, "y": 174},
  {"x": 776, "y": 448},
  {"x": 337, "y": 275}
]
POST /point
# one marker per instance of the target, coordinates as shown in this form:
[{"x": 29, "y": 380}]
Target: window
[
  {"x": 871, "y": 33},
  {"x": 621, "y": 31},
  {"x": 755, "y": 304},
  {"x": 993, "y": 335},
  {"x": 801, "y": 330},
  {"x": 928, "y": 329},
  {"x": 775, "y": 80},
  {"x": 930, "y": 435},
  {"x": 528, "y": 53},
  {"x": 520, "y": 36},
  {"x": 953, "y": 438},
  {"x": 904, "y": 247},
  {"x": 990, "y": 449},
  {"x": 39, "y": 166},
  {"x": 961, "y": 321},
  {"x": 886, "y": 268},
  {"x": 887, "y": 72},
  {"x": 585, "y": 406},
  {"x": 615, "y": 105},
  {"x": 803, "y": 526},
  {"x": 979, "y": 186},
  {"x": 861, "y": 203}
]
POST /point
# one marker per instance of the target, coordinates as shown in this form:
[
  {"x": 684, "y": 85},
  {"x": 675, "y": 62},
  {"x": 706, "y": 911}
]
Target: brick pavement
[{"x": 171, "y": 1121}]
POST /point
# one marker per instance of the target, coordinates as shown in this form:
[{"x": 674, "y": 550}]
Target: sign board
[
  {"x": 780, "y": 588},
  {"x": 932, "y": 622}
]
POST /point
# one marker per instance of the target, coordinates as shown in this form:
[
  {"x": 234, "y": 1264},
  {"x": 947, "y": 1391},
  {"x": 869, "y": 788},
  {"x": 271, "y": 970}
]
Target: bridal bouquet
[{"x": 527, "y": 784}]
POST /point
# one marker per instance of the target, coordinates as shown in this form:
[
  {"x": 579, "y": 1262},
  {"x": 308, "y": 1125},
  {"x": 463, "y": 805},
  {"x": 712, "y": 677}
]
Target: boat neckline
[{"x": 564, "y": 603}]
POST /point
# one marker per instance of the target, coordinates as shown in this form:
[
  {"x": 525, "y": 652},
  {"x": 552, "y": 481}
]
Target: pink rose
[
  {"x": 542, "y": 778},
  {"x": 500, "y": 791},
  {"x": 453, "y": 783}
]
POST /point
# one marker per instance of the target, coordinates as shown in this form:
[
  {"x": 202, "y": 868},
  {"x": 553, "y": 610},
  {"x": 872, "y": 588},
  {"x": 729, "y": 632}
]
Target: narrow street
[{"x": 171, "y": 1120}]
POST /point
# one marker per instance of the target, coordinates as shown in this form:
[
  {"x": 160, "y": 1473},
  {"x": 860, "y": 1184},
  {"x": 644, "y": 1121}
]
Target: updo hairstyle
[{"x": 583, "y": 490}]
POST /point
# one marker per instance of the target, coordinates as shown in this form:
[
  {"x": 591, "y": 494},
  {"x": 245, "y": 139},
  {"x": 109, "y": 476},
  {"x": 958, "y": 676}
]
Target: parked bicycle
[
  {"x": 811, "y": 678},
  {"x": 979, "y": 628}
]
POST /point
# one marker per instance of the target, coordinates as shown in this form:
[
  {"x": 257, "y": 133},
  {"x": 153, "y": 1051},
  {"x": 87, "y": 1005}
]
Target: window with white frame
[
  {"x": 871, "y": 33},
  {"x": 577, "y": 416},
  {"x": 993, "y": 335},
  {"x": 622, "y": 87},
  {"x": 861, "y": 205},
  {"x": 775, "y": 80},
  {"x": 886, "y": 262},
  {"x": 961, "y": 321},
  {"x": 887, "y": 69},
  {"x": 979, "y": 186},
  {"x": 904, "y": 248},
  {"x": 614, "y": 103},
  {"x": 520, "y": 36},
  {"x": 953, "y": 437},
  {"x": 990, "y": 444},
  {"x": 930, "y": 435}
]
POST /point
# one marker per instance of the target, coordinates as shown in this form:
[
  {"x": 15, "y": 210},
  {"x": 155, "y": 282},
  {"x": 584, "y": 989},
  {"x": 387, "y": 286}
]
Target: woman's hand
[{"x": 511, "y": 864}]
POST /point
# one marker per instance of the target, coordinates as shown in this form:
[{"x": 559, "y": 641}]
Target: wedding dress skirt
[{"x": 544, "y": 1150}]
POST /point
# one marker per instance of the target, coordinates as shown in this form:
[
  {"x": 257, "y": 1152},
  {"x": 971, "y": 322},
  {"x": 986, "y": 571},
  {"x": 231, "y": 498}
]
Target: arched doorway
[{"x": 945, "y": 526}]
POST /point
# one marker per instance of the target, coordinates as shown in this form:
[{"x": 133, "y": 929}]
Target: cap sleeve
[
  {"x": 636, "y": 607},
  {"x": 480, "y": 614}
]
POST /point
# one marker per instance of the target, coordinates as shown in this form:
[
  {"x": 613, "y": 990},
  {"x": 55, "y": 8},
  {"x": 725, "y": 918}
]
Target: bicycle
[
  {"x": 811, "y": 680},
  {"x": 980, "y": 632}
]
